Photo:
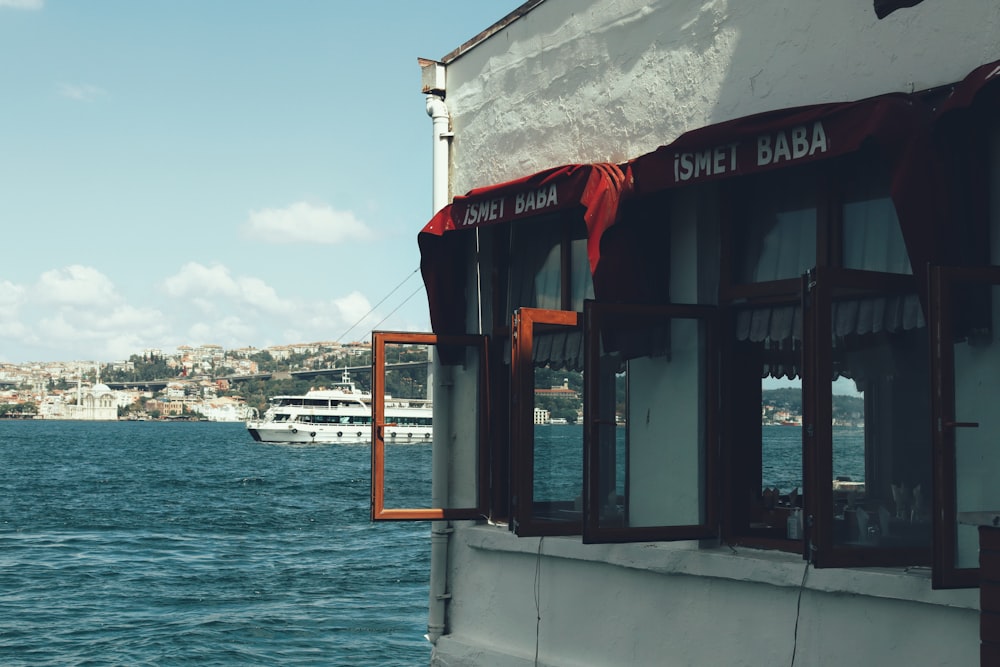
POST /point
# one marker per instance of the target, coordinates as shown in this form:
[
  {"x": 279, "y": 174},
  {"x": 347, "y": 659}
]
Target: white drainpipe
[{"x": 440, "y": 530}]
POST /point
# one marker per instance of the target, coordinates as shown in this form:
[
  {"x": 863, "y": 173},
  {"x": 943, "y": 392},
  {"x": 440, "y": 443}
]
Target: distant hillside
[{"x": 845, "y": 408}]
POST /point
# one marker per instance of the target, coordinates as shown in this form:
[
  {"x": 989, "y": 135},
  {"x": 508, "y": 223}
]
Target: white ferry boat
[{"x": 339, "y": 414}]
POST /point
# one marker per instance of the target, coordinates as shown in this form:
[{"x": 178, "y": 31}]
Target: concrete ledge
[{"x": 775, "y": 568}]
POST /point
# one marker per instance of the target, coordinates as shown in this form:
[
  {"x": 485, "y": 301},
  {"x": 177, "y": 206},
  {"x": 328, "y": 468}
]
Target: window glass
[
  {"x": 558, "y": 422},
  {"x": 765, "y": 406},
  {"x": 977, "y": 430},
  {"x": 880, "y": 430},
  {"x": 417, "y": 472},
  {"x": 547, "y": 418},
  {"x": 539, "y": 250},
  {"x": 774, "y": 228},
  {"x": 872, "y": 239},
  {"x": 649, "y": 422}
]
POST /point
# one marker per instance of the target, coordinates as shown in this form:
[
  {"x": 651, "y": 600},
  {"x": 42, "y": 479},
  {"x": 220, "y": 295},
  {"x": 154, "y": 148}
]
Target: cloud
[
  {"x": 22, "y": 4},
  {"x": 306, "y": 223},
  {"x": 81, "y": 92},
  {"x": 11, "y": 298},
  {"x": 113, "y": 333},
  {"x": 352, "y": 307},
  {"x": 205, "y": 285},
  {"x": 76, "y": 285}
]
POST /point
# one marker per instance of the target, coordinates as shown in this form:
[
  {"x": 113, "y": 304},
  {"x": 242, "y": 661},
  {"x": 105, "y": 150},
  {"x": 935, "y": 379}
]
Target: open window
[
  {"x": 418, "y": 379},
  {"x": 870, "y": 487},
  {"x": 966, "y": 425},
  {"x": 547, "y": 422},
  {"x": 650, "y": 443}
]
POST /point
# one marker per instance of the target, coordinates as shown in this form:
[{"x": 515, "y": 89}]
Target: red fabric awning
[
  {"x": 980, "y": 87},
  {"x": 778, "y": 139},
  {"x": 593, "y": 189}
]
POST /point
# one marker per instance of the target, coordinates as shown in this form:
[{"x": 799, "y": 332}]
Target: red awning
[
  {"x": 778, "y": 139},
  {"x": 980, "y": 87},
  {"x": 897, "y": 124},
  {"x": 593, "y": 189}
]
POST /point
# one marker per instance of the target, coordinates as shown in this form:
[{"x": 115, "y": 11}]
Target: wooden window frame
[
  {"x": 817, "y": 418},
  {"x": 596, "y": 317},
  {"x": 524, "y": 521},
  {"x": 945, "y": 572},
  {"x": 379, "y": 511}
]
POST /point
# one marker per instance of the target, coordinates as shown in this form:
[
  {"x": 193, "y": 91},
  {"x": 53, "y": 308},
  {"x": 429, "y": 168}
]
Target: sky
[{"x": 239, "y": 173}]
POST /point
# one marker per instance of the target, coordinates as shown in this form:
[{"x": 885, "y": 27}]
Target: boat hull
[{"x": 262, "y": 431}]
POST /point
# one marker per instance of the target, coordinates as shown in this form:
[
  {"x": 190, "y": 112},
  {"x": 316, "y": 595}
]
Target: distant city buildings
[{"x": 73, "y": 389}]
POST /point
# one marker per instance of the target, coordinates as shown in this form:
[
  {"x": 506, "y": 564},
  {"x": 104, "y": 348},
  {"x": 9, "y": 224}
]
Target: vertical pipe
[{"x": 440, "y": 530}]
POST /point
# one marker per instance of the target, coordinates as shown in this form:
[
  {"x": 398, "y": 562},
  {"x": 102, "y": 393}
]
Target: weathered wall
[
  {"x": 676, "y": 604},
  {"x": 608, "y": 80}
]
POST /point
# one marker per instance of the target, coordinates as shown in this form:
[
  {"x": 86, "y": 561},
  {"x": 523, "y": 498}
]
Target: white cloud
[
  {"x": 306, "y": 223},
  {"x": 205, "y": 285},
  {"x": 11, "y": 298},
  {"x": 352, "y": 307},
  {"x": 76, "y": 285},
  {"x": 81, "y": 92},
  {"x": 22, "y": 4},
  {"x": 228, "y": 331}
]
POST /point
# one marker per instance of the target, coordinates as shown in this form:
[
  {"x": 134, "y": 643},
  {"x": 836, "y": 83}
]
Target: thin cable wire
[
  {"x": 403, "y": 303},
  {"x": 391, "y": 292},
  {"x": 798, "y": 612},
  {"x": 538, "y": 597}
]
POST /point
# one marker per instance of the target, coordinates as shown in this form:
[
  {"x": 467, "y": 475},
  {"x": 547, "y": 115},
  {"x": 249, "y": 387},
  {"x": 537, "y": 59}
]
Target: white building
[{"x": 683, "y": 198}]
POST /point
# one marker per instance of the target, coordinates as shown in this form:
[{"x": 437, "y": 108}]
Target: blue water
[{"x": 149, "y": 543}]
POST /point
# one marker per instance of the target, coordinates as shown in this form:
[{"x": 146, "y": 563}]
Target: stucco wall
[
  {"x": 608, "y": 80},
  {"x": 676, "y": 604}
]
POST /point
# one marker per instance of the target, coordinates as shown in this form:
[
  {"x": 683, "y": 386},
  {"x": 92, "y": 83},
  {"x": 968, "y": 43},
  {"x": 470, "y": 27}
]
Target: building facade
[{"x": 688, "y": 203}]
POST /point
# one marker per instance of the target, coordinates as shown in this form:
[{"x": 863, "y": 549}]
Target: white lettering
[
  {"x": 710, "y": 162},
  {"x": 483, "y": 211},
  {"x": 800, "y": 146},
  {"x": 818, "y": 139},
  {"x": 778, "y": 148},
  {"x": 781, "y": 151},
  {"x": 533, "y": 200},
  {"x": 703, "y": 163},
  {"x": 686, "y": 165},
  {"x": 764, "y": 152}
]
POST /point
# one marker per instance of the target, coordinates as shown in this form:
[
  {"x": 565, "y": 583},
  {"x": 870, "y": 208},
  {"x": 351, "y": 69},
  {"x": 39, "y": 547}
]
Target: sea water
[{"x": 153, "y": 543}]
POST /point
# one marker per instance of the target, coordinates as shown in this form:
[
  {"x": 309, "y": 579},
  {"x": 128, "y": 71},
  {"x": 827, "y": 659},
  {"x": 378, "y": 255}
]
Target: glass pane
[
  {"x": 977, "y": 394},
  {"x": 666, "y": 437},
  {"x": 648, "y": 475},
  {"x": 408, "y": 425},
  {"x": 780, "y": 498},
  {"x": 558, "y": 435},
  {"x": 581, "y": 280},
  {"x": 873, "y": 240},
  {"x": 414, "y": 373},
  {"x": 766, "y": 410},
  {"x": 775, "y": 234},
  {"x": 880, "y": 424},
  {"x": 535, "y": 265}
]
